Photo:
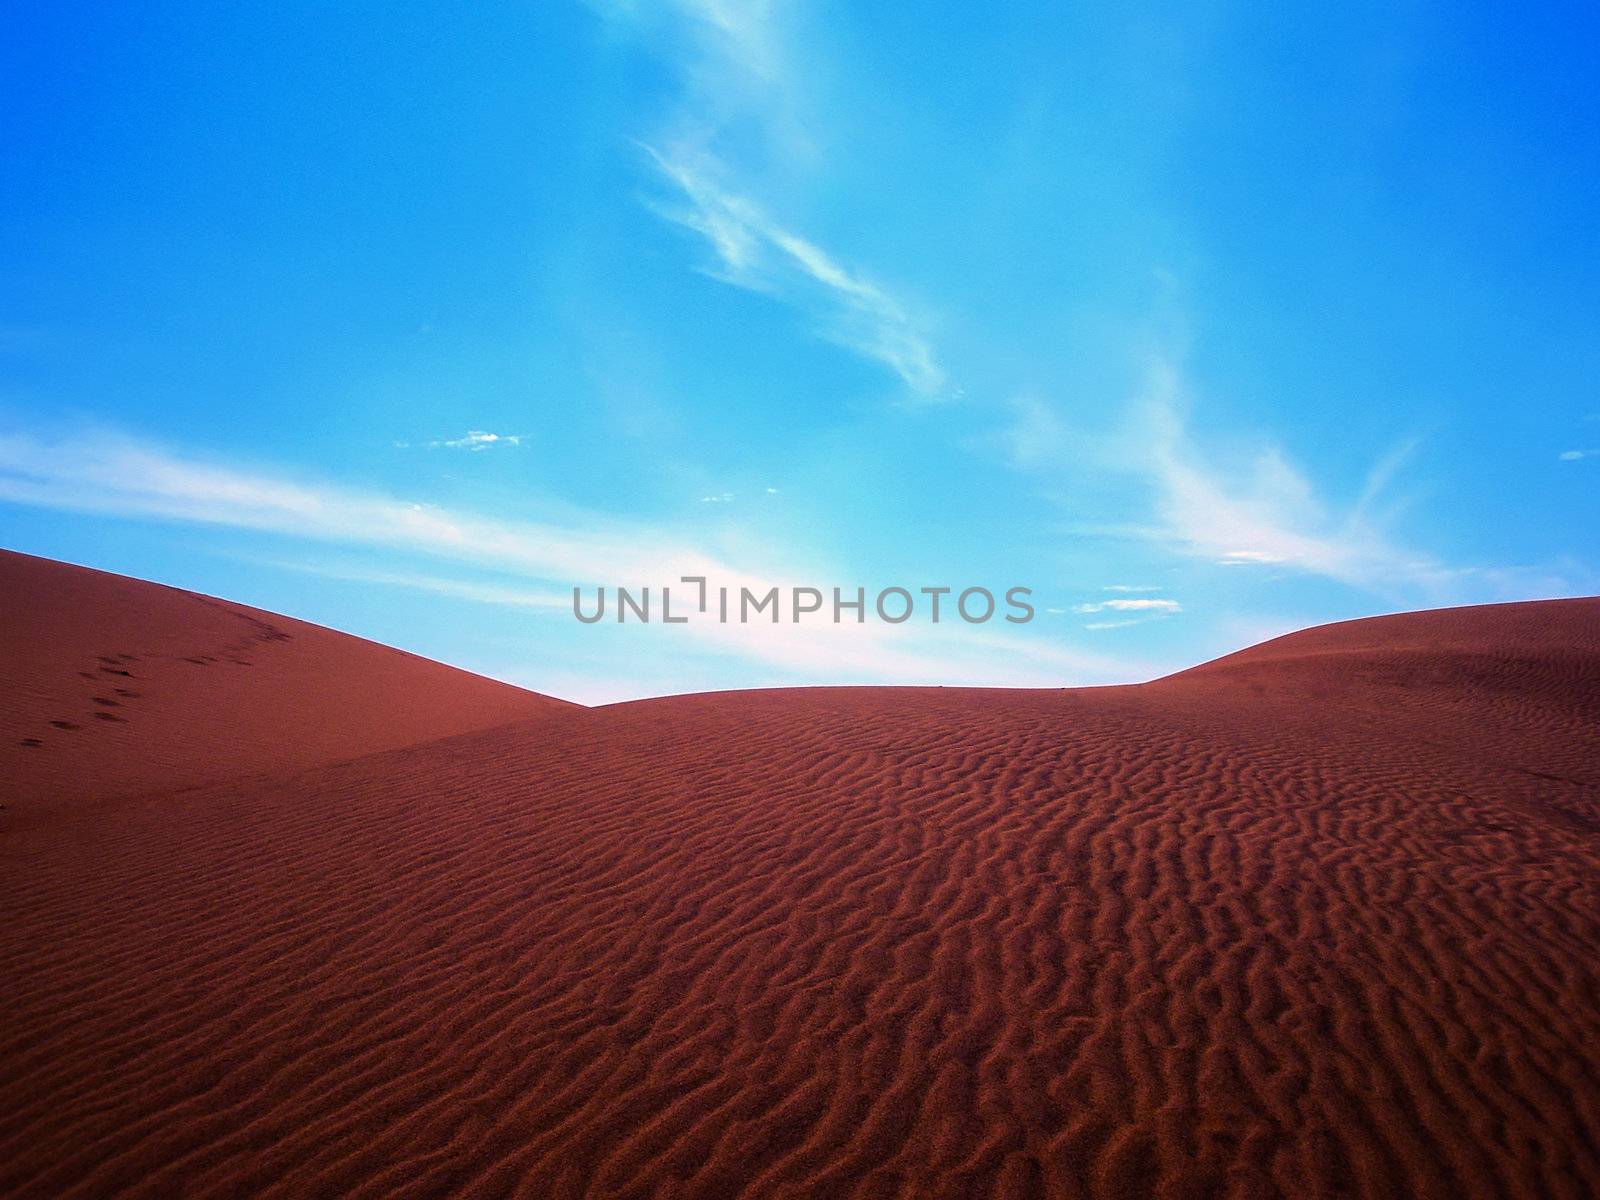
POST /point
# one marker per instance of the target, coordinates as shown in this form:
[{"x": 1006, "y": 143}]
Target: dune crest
[
  {"x": 112, "y": 686},
  {"x": 1318, "y": 920}
]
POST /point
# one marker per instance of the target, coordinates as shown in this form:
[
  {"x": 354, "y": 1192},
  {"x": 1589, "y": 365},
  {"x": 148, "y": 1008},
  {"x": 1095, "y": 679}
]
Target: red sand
[
  {"x": 130, "y": 687},
  {"x": 1320, "y": 919}
]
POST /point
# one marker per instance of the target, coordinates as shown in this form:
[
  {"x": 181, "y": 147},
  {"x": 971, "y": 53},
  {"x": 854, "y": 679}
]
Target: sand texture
[{"x": 1320, "y": 919}]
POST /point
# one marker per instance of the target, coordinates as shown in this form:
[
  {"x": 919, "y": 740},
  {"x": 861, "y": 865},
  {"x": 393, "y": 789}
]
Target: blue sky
[{"x": 1204, "y": 322}]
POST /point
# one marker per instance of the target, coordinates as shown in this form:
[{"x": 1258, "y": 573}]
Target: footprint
[
  {"x": 66, "y": 725},
  {"x": 128, "y": 692},
  {"x": 107, "y": 702},
  {"x": 105, "y": 716},
  {"x": 32, "y": 743},
  {"x": 116, "y": 671}
]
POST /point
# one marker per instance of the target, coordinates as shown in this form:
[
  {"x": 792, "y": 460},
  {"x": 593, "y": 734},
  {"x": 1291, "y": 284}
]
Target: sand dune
[
  {"x": 1320, "y": 919},
  {"x": 113, "y": 686}
]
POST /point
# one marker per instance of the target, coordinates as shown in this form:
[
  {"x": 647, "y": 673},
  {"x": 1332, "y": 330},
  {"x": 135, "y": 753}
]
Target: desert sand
[
  {"x": 128, "y": 687},
  {"x": 1318, "y": 919}
]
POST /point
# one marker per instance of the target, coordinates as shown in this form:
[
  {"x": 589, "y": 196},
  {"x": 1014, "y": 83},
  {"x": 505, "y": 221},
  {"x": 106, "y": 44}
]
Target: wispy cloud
[
  {"x": 742, "y": 32},
  {"x": 478, "y": 439},
  {"x": 1139, "y": 609},
  {"x": 1577, "y": 455},
  {"x": 1259, "y": 511},
  {"x": 736, "y": 118},
  {"x": 474, "y": 439},
  {"x": 116, "y": 476},
  {"x": 120, "y": 476},
  {"x": 1268, "y": 512},
  {"x": 755, "y": 252},
  {"x": 736, "y": 69},
  {"x": 1245, "y": 558},
  {"x": 1139, "y": 605}
]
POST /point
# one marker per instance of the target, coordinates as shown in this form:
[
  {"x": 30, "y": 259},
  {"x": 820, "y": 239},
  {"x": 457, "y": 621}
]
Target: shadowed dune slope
[
  {"x": 1262, "y": 929},
  {"x": 1545, "y": 651},
  {"x": 111, "y": 686},
  {"x": 1513, "y": 686}
]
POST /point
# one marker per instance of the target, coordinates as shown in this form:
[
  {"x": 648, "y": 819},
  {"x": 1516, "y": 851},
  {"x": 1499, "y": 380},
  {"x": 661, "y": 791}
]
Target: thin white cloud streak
[
  {"x": 744, "y": 33},
  {"x": 1577, "y": 455},
  {"x": 1268, "y": 514},
  {"x": 1265, "y": 515},
  {"x": 120, "y": 476},
  {"x": 478, "y": 439},
  {"x": 474, "y": 439},
  {"x": 735, "y": 65},
  {"x": 1246, "y": 558},
  {"x": 755, "y": 252},
  {"x": 1143, "y": 608},
  {"x": 736, "y": 116},
  {"x": 1142, "y": 605},
  {"x": 117, "y": 476}
]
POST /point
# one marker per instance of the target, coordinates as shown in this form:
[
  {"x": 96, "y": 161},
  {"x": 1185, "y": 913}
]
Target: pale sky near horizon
[{"x": 1205, "y": 322}]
